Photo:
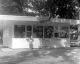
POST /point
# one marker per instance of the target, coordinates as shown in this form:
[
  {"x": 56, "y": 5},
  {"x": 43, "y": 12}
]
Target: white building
[{"x": 19, "y": 30}]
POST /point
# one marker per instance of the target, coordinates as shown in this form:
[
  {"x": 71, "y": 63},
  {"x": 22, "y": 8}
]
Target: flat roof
[
  {"x": 18, "y": 18},
  {"x": 33, "y": 18},
  {"x": 71, "y": 21}
]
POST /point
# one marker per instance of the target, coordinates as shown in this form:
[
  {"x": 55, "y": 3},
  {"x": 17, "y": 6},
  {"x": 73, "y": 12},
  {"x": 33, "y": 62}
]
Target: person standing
[{"x": 31, "y": 42}]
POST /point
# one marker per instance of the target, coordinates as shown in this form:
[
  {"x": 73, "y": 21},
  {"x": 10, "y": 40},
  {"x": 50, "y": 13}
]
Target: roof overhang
[
  {"x": 33, "y": 18},
  {"x": 60, "y": 20},
  {"x": 18, "y": 18}
]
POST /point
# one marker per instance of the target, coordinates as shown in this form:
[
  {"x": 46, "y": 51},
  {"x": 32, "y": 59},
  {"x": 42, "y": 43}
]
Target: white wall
[
  {"x": 7, "y": 35},
  {"x": 22, "y": 43}
]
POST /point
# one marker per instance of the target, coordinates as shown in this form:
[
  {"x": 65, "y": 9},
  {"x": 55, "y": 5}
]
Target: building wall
[
  {"x": 23, "y": 42},
  {"x": 8, "y": 35},
  {"x": 52, "y": 42}
]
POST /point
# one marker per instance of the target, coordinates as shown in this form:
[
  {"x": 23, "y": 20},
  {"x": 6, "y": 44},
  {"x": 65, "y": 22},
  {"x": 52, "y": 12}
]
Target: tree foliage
[
  {"x": 54, "y": 8},
  {"x": 34, "y": 7},
  {"x": 63, "y": 8}
]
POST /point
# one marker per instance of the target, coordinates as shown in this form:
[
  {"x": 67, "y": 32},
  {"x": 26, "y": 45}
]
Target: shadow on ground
[{"x": 41, "y": 56}]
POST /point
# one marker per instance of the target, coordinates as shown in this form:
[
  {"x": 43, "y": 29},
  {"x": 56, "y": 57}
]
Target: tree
[
  {"x": 68, "y": 9},
  {"x": 34, "y": 7},
  {"x": 63, "y": 8},
  {"x": 9, "y": 7},
  {"x": 53, "y": 8}
]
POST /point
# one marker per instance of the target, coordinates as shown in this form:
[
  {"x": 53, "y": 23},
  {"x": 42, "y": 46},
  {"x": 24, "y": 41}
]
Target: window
[
  {"x": 56, "y": 30},
  {"x": 64, "y": 32},
  {"x": 28, "y": 31},
  {"x": 64, "y": 35},
  {"x": 29, "y": 34},
  {"x": 56, "y": 35},
  {"x": 65, "y": 28},
  {"x": 61, "y": 31},
  {"x": 29, "y": 28},
  {"x": 48, "y": 31},
  {"x": 38, "y": 31},
  {"x": 19, "y": 31}
]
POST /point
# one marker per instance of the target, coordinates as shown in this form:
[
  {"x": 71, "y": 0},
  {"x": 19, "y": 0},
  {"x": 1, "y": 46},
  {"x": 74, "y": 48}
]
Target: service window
[
  {"x": 38, "y": 31},
  {"x": 48, "y": 31},
  {"x": 19, "y": 31},
  {"x": 64, "y": 32}
]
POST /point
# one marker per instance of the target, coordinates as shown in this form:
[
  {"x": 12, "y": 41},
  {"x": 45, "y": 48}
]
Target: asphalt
[{"x": 42, "y": 56}]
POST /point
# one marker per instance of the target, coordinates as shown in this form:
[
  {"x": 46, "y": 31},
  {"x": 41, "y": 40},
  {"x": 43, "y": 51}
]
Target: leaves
[
  {"x": 35, "y": 6},
  {"x": 63, "y": 8},
  {"x": 68, "y": 9}
]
